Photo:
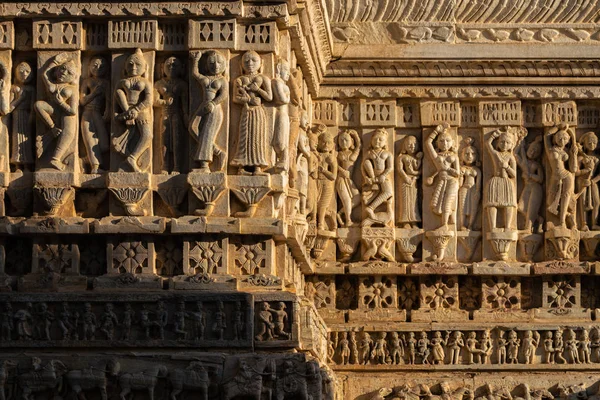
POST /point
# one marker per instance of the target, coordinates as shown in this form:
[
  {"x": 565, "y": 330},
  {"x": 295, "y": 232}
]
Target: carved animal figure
[
  {"x": 145, "y": 380},
  {"x": 93, "y": 378},
  {"x": 247, "y": 383},
  {"x": 194, "y": 377},
  {"x": 46, "y": 378}
]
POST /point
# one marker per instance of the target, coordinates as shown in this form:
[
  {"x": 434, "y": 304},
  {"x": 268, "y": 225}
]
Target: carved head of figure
[
  {"x": 548, "y": 335},
  {"x": 445, "y": 387},
  {"x": 589, "y": 141},
  {"x": 528, "y": 334},
  {"x": 65, "y": 306},
  {"x": 472, "y": 335},
  {"x": 561, "y": 137},
  {"x": 423, "y": 335},
  {"x": 265, "y": 306},
  {"x": 585, "y": 334},
  {"x": 512, "y": 335},
  {"x": 445, "y": 141},
  {"x": 325, "y": 144},
  {"x": 98, "y": 67},
  {"x": 506, "y": 141},
  {"x": 283, "y": 69},
  {"x": 251, "y": 62},
  {"x": 220, "y": 305},
  {"x": 409, "y": 145},
  {"x": 87, "y": 307},
  {"x": 135, "y": 65},
  {"x": 66, "y": 72},
  {"x": 395, "y": 335},
  {"x": 23, "y": 73},
  {"x": 108, "y": 307},
  {"x": 534, "y": 151},
  {"x": 485, "y": 334},
  {"x": 172, "y": 68},
  {"x": 379, "y": 139},
  {"x": 281, "y": 305},
  {"x": 215, "y": 63},
  {"x": 345, "y": 141},
  {"x": 411, "y": 335},
  {"x": 437, "y": 334},
  {"x": 304, "y": 120},
  {"x": 468, "y": 155}
]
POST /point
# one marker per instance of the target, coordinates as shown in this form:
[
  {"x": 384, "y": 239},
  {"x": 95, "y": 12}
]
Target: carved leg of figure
[
  {"x": 509, "y": 213},
  {"x": 144, "y": 141},
  {"x": 492, "y": 215},
  {"x": 64, "y": 141}
]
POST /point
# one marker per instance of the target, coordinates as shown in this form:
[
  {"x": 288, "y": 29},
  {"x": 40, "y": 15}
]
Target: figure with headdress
[
  {"x": 59, "y": 113},
  {"x": 171, "y": 99},
  {"x": 562, "y": 154},
  {"x": 326, "y": 173},
  {"x": 408, "y": 165},
  {"x": 447, "y": 165},
  {"x": 532, "y": 170},
  {"x": 133, "y": 102},
  {"x": 281, "y": 126},
  {"x": 500, "y": 189},
  {"x": 469, "y": 193},
  {"x": 96, "y": 108},
  {"x": 348, "y": 152},
  {"x": 587, "y": 178},
  {"x": 207, "y": 119},
  {"x": 378, "y": 166},
  {"x": 250, "y": 90},
  {"x": 22, "y": 100}
]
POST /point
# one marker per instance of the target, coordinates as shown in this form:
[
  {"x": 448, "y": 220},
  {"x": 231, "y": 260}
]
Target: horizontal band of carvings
[{"x": 464, "y": 11}]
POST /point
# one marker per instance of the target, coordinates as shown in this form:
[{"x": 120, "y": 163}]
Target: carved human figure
[
  {"x": 485, "y": 346},
  {"x": 447, "y": 165},
  {"x": 280, "y": 318},
  {"x": 532, "y": 195},
  {"x": 59, "y": 113},
  {"x": 595, "y": 345},
  {"x": 437, "y": 347},
  {"x": 145, "y": 321},
  {"x": 313, "y": 173},
  {"x": 500, "y": 188},
  {"x": 171, "y": 99},
  {"x": 22, "y": 100},
  {"x": 587, "y": 182},
  {"x": 6, "y": 322},
  {"x": 455, "y": 343},
  {"x": 423, "y": 345},
  {"x": 411, "y": 348},
  {"x": 326, "y": 173},
  {"x": 502, "y": 343},
  {"x": 380, "y": 350},
  {"x": 572, "y": 347},
  {"x": 128, "y": 315},
  {"x": 94, "y": 99},
  {"x": 220, "y": 321},
  {"x": 377, "y": 169},
  {"x": 585, "y": 347},
  {"x": 549, "y": 351},
  {"x": 302, "y": 164},
  {"x": 344, "y": 349},
  {"x": 348, "y": 152},
  {"x": 250, "y": 90},
  {"x": 353, "y": 348},
  {"x": 133, "y": 105},
  {"x": 561, "y": 153},
  {"x": 281, "y": 125},
  {"x": 396, "y": 349},
  {"x": 238, "y": 322},
  {"x": 531, "y": 341},
  {"x": 67, "y": 322},
  {"x": 469, "y": 193},
  {"x": 512, "y": 347},
  {"x": 265, "y": 323},
  {"x": 44, "y": 318},
  {"x": 365, "y": 345},
  {"x": 559, "y": 347},
  {"x": 199, "y": 321},
  {"x": 207, "y": 119},
  {"x": 179, "y": 324},
  {"x": 408, "y": 165},
  {"x": 89, "y": 322},
  {"x": 472, "y": 347},
  {"x": 23, "y": 322},
  {"x": 162, "y": 319},
  {"x": 108, "y": 321}
]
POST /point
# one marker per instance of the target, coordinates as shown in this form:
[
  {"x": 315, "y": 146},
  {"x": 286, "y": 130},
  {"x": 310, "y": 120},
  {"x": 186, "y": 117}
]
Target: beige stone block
[
  {"x": 212, "y": 34},
  {"x": 258, "y": 37},
  {"x": 63, "y": 35},
  {"x": 133, "y": 34},
  {"x": 7, "y": 35}
]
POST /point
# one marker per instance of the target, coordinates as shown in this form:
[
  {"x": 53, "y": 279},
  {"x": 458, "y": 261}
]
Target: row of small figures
[
  {"x": 36, "y": 323},
  {"x": 393, "y": 348}
]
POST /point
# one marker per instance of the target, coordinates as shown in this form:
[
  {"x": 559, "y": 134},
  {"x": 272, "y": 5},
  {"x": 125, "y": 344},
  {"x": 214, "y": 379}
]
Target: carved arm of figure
[
  {"x": 331, "y": 169},
  {"x": 548, "y": 139},
  {"x": 357, "y": 144},
  {"x": 265, "y": 90},
  {"x": 281, "y": 96},
  {"x": 511, "y": 169},
  {"x": 87, "y": 92},
  {"x": 240, "y": 94},
  {"x": 430, "y": 150},
  {"x": 121, "y": 100},
  {"x": 71, "y": 104},
  {"x": 574, "y": 150},
  {"x": 389, "y": 166},
  {"x": 401, "y": 172},
  {"x": 489, "y": 143},
  {"x": 521, "y": 157},
  {"x": 295, "y": 90},
  {"x": 146, "y": 100},
  {"x": 159, "y": 100},
  {"x": 195, "y": 56},
  {"x": 17, "y": 97}
]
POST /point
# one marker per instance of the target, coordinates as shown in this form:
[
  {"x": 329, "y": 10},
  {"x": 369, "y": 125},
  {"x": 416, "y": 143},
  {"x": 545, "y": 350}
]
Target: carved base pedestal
[
  {"x": 378, "y": 244},
  {"x": 502, "y": 243},
  {"x": 54, "y": 194},
  {"x": 172, "y": 190},
  {"x": 407, "y": 243},
  {"x": 440, "y": 239},
  {"x": 130, "y": 194},
  {"x": 249, "y": 191},
  {"x": 562, "y": 244},
  {"x": 203, "y": 282},
  {"x": 529, "y": 245},
  {"x": 128, "y": 281},
  {"x": 206, "y": 194}
]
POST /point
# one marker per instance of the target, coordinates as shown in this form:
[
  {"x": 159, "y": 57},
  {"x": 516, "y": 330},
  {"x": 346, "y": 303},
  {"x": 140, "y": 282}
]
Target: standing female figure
[
  {"x": 445, "y": 160},
  {"x": 587, "y": 181},
  {"x": 348, "y": 151},
  {"x": 22, "y": 99},
  {"x": 408, "y": 165},
  {"x": 250, "y": 90},
  {"x": 207, "y": 119},
  {"x": 533, "y": 176},
  {"x": 469, "y": 193}
]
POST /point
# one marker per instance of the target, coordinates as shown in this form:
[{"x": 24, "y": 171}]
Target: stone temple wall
[{"x": 300, "y": 200}]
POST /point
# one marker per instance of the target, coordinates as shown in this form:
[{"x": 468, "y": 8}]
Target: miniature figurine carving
[
  {"x": 408, "y": 165},
  {"x": 207, "y": 119},
  {"x": 344, "y": 349},
  {"x": 44, "y": 318},
  {"x": 250, "y": 90},
  {"x": 22, "y": 100},
  {"x": 89, "y": 322},
  {"x": 23, "y": 322},
  {"x": 587, "y": 182},
  {"x": 280, "y": 318},
  {"x": 512, "y": 347},
  {"x": 238, "y": 322},
  {"x": 133, "y": 102},
  {"x": 281, "y": 129},
  {"x": 108, "y": 321},
  {"x": 171, "y": 99},
  {"x": 199, "y": 319},
  {"x": 397, "y": 349},
  {"x": 348, "y": 152},
  {"x": 531, "y": 342},
  {"x": 377, "y": 184},
  {"x": 585, "y": 347},
  {"x": 59, "y": 113},
  {"x": 423, "y": 345},
  {"x": 572, "y": 347},
  {"x": 500, "y": 189},
  {"x": 380, "y": 352},
  {"x": 95, "y": 101},
  {"x": 562, "y": 153},
  {"x": 266, "y": 326},
  {"x": 437, "y": 347},
  {"x": 68, "y": 323},
  {"x": 220, "y": 321},
  {"x": 302, "y": 164},
  {"x": 469, "y": 193},
  {"x": 532, "y": 195},
  {"x": 6, "y": 323},
  {"x": 365, "y": 345}
]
